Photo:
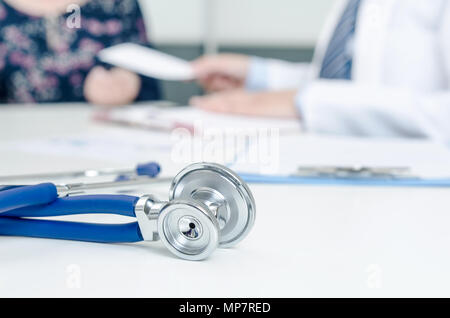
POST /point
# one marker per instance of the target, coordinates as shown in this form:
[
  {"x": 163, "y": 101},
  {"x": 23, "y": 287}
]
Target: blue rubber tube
[
  {"x": 99, "y": 233},
  {"x": 85, "y": 204},
  {"x": 38, "y": 201},
  {"x": 9, "y": 187},
  {"x": 16, "y": 198}
]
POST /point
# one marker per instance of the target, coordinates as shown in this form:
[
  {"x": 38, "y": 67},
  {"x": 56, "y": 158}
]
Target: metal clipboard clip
[{"x": 354, "y": 172}]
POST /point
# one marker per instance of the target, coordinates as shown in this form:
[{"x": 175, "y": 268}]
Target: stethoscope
[{"x": 209, "y": 206}]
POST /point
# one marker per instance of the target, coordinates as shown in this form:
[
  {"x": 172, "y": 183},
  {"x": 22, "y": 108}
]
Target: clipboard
[
  {"x": 367, "y": 182},
  {"x": 352, "y": 161}
]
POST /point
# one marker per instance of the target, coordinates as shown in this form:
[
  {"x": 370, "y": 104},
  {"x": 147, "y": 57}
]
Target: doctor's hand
[
  {"x": 111, "y": 87},
  {"x": 221, "y": 72},
  {"x": 268, "y": 104}
]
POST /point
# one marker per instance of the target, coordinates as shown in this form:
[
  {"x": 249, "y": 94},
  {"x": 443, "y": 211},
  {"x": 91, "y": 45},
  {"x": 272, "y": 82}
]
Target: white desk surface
[{"x": 307, "y": 241}]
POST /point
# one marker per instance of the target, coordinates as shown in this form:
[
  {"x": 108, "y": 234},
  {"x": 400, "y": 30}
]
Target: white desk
[{"x": 307, "y": 241}]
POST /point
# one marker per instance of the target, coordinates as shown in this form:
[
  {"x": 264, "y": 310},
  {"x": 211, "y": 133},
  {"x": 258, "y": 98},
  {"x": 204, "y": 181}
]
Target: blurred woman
[{"x": 46, "y": 56}]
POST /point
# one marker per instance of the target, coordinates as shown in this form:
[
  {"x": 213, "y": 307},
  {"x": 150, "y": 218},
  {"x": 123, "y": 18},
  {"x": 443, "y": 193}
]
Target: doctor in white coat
[{"x": 381, "y": 68}]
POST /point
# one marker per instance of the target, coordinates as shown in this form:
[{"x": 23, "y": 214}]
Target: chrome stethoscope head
[
  {"x": 224, "y": 193},
  {"x": 209, "y": 207},
  {"x": 188, "y": 229}
]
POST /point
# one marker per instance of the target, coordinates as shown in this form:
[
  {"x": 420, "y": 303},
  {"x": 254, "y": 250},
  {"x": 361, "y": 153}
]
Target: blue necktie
[{"x": 338, "y": 60}]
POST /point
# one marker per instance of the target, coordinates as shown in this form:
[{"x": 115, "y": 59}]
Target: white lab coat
[{"x": 401, "y": 74}]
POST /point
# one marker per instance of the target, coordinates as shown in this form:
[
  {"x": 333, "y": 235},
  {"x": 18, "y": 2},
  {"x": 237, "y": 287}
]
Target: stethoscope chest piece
[
  {"x": 225, "y": 195},
  {"x": 188, "y": 229}
]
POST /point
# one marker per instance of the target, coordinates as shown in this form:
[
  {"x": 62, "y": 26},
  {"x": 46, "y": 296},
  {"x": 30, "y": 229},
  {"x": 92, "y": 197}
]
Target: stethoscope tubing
[
  {"x": 85, "y": 204},
  {"x": 35, "y": 195},
  {"x": 75, "y": 231},
  {"x": 42, "y": 201},
  {"x": 78, "y": 188}
]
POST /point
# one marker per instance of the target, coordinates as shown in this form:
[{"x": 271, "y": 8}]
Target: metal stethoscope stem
[
  {"x": 150, "y": 169},
  {"x": 67, "y": 189},
  {"x": 79, "y": 188}
]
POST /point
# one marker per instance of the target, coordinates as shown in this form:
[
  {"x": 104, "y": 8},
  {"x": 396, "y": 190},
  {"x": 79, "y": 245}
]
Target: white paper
[
  {"x": 195, "y": 120},
  {"x": 148, "y": 62},
  {"x": 120, "y": 147}
]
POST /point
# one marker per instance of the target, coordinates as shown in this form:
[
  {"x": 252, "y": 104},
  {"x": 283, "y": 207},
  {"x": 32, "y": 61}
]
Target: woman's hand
[
  {"x": 269, "y": 104},
  {"x": 111, "y": 87},
  {"x": 221, "y": 72}
]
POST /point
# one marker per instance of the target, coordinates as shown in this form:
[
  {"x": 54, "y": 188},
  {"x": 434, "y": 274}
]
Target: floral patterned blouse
[{"x": 47, "y": 60}]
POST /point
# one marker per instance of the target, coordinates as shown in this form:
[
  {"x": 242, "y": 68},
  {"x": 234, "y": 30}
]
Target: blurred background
[{"x": 284, "y": 29}]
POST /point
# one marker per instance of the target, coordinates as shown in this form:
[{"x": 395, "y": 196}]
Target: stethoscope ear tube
[
  {"x": 15, "y": 222},
  {"x": 21, "y": 197},
  {"x": 151, "y": 169},
  {"x": 99, "y": 233},
  {"x": 85, "y": 204}
]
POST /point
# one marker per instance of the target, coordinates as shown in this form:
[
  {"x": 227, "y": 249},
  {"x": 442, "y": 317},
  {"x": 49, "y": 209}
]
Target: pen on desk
[{"x": 352, "y": 172}]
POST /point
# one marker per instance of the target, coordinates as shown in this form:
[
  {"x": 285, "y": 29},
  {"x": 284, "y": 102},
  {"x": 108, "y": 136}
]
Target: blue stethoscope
[{"x": 209, "y": 206}]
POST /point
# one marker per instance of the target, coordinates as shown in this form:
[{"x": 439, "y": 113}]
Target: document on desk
[
  {"x": 121, "y": 146},
  {"x": 192, "y": 119},
  {"x": 428, "y": 162},
  {"x": 148, "y": 62},
  {"x": 117, "y": 147}
]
